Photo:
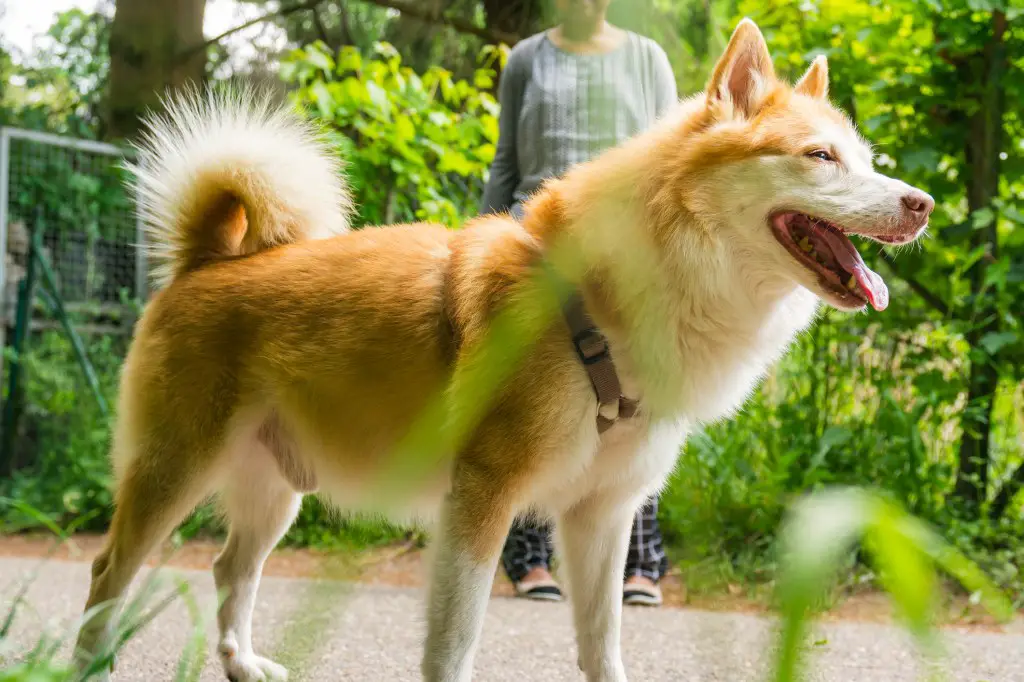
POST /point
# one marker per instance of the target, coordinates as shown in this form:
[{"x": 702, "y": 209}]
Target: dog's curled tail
[{"x": 228, "y": 173}]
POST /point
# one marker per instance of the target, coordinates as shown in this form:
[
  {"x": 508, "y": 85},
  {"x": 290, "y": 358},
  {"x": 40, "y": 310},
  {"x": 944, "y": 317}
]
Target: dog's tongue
[{"x": 869, "y": 280}]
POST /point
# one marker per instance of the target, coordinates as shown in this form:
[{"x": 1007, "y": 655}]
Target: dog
[{"x": 286, "y": 354}]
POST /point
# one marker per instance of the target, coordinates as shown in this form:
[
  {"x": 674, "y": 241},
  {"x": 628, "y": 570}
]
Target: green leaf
[
  {"x": 324, "y": 100},
  {"x": 318, "y": 58},
  {"x": 385, "y": 49},
  {"x": 835, "y": 435},
  {"x": 920, "y": 158},
  {"x": 818, "y": 532},
  {"x": 993, "y": 342},
  {"x": 822, "y": 529},
  {"x": 379, "y": 98},
  {"x": 1012, "y": 213},
  {"x": 960, "y": 567},
  {"x": 349, "y": 59},
  {"x": 903, "y": 571},
  {"x": 483, "y": 79},
  {"x": 404, "y": 129},
  {"x": 982, "y": 218}
]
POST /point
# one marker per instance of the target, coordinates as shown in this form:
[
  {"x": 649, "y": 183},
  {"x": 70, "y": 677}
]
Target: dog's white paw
[
  {"x": 248, "y": 667},
  {"x": 253, "y": 668}
]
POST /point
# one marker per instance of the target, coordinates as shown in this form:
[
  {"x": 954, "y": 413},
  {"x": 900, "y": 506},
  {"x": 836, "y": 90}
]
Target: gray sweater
[{"x": 559, "y": 109}]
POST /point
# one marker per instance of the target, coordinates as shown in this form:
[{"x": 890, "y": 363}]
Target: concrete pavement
[{"x": 337, "y": 631}]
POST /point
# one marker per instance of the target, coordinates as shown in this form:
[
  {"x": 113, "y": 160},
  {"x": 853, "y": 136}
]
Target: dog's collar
[{"x": 592, "y": 349}]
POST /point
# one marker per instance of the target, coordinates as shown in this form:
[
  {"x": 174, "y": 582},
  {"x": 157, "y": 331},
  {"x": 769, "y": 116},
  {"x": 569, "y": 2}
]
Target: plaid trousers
[{"x": 529, "y": 546}]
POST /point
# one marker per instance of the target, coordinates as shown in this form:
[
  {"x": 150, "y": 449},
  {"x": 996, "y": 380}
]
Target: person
[{"x": 567, "y": 94}]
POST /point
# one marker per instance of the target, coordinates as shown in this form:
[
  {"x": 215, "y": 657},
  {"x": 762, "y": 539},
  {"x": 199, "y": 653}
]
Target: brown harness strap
[{"x": 592, "y": 349}]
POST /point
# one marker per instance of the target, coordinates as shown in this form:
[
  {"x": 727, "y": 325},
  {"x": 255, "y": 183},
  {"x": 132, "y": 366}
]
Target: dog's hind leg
[
  {"x": 475, "y": 520},
  {"x": 260, "y": 505},
  {"x": 594, "y": 539},
  {"x": 158, "y": 488}
]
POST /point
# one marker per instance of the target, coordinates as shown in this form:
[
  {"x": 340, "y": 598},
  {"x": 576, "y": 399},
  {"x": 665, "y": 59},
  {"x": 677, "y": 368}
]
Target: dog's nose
[{"x": 918, "y": 203}]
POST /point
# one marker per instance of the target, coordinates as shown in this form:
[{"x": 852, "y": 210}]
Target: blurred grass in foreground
[
  {"x": 816, "y": 538},
  {"x": 823, "y": 529}
]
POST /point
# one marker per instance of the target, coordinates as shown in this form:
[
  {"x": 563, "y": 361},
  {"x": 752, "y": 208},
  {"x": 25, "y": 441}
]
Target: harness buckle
[{"x": 591, "y": 346}]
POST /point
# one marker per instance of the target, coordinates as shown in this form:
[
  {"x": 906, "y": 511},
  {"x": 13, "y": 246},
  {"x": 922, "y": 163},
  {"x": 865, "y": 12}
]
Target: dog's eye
[{"x": 821, "y": 154}]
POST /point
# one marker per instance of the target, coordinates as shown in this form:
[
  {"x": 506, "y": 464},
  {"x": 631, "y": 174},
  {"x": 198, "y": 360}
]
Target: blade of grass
[
  {"x": 823, "y": 527},
  {"x": 954, "y": 562},
  {"x": 193, "y": 658},
  {"x": 904, "y": 571},
  {"x": 818, "y": 532}
]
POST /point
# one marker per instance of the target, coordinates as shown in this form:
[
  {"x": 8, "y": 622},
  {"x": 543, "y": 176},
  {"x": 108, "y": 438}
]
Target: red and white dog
[{"x": 286, "y": 354}]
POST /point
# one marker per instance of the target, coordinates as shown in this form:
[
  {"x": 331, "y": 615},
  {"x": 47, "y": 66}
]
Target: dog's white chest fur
[{"x": 718, "y": 374}]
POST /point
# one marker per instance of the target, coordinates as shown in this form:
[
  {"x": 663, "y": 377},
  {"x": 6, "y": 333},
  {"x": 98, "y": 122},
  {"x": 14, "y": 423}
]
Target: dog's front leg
[
  {"x": 594, "y": 538},
  {"x": 476, "y": 517}
]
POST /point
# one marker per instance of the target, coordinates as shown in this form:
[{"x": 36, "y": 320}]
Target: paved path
[{"x": 374, "y": 634}]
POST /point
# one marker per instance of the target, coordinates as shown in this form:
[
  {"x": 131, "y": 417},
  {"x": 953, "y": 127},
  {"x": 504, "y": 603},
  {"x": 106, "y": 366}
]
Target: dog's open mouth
[{"x": 824, "y": 249}]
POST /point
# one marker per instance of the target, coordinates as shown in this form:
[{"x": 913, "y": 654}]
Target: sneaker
[
  {"x": 543, "y": 590},
  {"x": 539, "y": 585},
  {"x": 641, "y": 592}
]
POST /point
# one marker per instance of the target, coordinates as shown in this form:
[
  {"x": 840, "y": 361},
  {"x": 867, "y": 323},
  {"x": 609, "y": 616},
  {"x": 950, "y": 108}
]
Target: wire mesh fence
[
  {"x": 64, "y": 206},
  {"x": 90, "y": 233}
]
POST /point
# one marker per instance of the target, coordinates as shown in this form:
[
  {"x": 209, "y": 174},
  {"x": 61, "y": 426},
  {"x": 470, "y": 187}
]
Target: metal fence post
[{"x": 5, "y": 159}]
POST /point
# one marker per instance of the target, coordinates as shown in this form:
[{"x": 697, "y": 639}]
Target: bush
[
  {"x": 64, "y": 438},
  {"x": 851, "y": 404},
  {"x": 417, "y": 146}
]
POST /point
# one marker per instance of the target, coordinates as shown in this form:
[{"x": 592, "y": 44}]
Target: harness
[{"x": 592, "y": 350}]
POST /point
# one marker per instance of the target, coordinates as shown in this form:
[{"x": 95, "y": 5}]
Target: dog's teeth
[
  {"x": 851, "y": 283},
  {"x": 805, "y": 244}
]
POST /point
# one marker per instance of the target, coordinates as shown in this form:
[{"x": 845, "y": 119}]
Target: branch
[
  {"x": 407, "y": 7},
  {"x": 283, "y": 12},
  {"x": 321, "y": 29},
  {"x": 931, "y": 298},
  {"x": 412, "y": 8},
  {"x": 346, "y": 27}
]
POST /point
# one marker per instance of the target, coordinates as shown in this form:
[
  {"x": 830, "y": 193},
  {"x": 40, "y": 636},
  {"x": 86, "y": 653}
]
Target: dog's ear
[
  {"x": 744, "y": 71},
  {"x": 815, "y": 82}
]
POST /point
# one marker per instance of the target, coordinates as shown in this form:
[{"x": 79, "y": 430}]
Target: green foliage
[
  {"x": 65, "y": 437},
  {"x": 823, "y": 528},
  {"x": 75, "y": 192},
  {"x": 854, "y": 403},
  {"x": 418, "y": 146},
  {"x": 59, "y": 86}
]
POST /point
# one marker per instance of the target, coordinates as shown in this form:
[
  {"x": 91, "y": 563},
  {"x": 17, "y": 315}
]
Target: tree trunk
[
  {"x": 151, "y": 49},
  {"x": 417, "y": 37},
  {"x": 517, "y": 17},
  {"x": 972, "y": 477},
  {"x": 984, "y": 144}
]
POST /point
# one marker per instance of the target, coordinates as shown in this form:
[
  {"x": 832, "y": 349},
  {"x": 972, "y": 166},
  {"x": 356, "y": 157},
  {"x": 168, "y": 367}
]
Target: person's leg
[
  {"x": 526, "y": 559},
  {"x": 646, "y": 561}
]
